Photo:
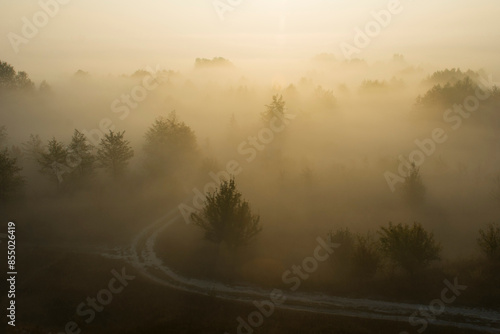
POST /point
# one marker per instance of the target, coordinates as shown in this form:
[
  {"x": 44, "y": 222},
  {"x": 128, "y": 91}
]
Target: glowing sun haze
[{"x": 119, "y": 36}]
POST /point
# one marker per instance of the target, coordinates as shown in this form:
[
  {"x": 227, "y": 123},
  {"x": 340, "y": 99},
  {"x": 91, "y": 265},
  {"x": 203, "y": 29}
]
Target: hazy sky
[{"x": 116, "y": 36}]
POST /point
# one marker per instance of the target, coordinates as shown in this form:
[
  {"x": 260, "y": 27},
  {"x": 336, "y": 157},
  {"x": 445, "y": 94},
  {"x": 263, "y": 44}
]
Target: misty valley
[{"x": 339, "y": 196}]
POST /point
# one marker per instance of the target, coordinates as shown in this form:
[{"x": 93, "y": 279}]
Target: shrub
[
  {"x": 410, "y": 247},
  {"x": 357, "y": 255},
  {"x": 489, "y": 242}
]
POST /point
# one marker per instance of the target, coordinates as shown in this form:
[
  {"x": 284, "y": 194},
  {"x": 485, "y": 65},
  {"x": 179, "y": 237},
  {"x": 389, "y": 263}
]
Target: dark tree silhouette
[
  {"x": 372, "y": 86},
  {"x": 33, "y": 148},
  {"x": 11, "y": 180},
  {"x": 81, "y": 74},
  {"x": 114, "y": 153},
  {"x": 80, "y": 157},
  {"x": 53, "y": 160},
  {"x": 275, "y": 109},
  {"x": 450, "y": 76},
  {"x": 445, "y": 96},
  {"x": 44, "y": 87},
  {"x": 341, "y": 259},
  {"x": 325, "y": 97},
  {"x": 357, "y": 255},
  {"x": 489, "y": 242},
  {"x": 410, "y": 247},
  {"x": 366, "y": 257},
  {"x": 9, "y": 79},
  {"x": 169, "y": 145},
  {"x": 227, "y": 218},
  {"x": 22, "y": 81},
  {"x": 413, "y": 187},
  {"x": 7, "y": 75}
]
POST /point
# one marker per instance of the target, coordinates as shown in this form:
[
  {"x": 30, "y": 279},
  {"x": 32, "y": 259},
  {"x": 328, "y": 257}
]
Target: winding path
[{"x": 142, "y": 256}]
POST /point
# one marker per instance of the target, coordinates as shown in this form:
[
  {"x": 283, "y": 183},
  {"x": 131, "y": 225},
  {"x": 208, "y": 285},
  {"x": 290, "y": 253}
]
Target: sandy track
[{"x": 142, "y": 256}]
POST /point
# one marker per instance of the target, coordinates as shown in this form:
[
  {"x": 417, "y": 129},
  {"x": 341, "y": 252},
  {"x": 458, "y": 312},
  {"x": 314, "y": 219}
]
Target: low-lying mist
[{"x": 338, "y": 157}]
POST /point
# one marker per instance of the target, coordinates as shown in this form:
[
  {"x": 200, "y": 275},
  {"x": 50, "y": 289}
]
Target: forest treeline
[
  {"x": 171, "y": 154},
  {"x": 171, "y": 145}
]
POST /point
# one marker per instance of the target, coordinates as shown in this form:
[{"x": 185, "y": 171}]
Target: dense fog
[
  {"x": 342, "y": 154},
  {"x": 348, "y": 124}
]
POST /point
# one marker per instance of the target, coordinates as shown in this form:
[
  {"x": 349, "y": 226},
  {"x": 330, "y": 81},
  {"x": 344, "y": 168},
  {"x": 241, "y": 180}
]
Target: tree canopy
[
  {"x": 80, "y": 156},
  {"x": 114, "y": 153},
  {"x": 275, "y": 109},
  {"x": 169, "y": 144},
  {"x": 410, "y": 247},
  {"x": 10, "y": 79},
  {"x": 53, "y": 160},
  {"x": 450, "y": 75},
  {"x": 227, "y": 218},
  {"x": 444, "y": 96},
  {"x": 489, "y": 241}
]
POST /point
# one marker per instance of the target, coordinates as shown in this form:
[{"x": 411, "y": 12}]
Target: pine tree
[
  {"x": 53, "y": 161},
  {"x": 227, "y": 218},
  {"x": 275, "y": 109},
  {"x": 80, "y": 157},
  {"x": 114, "y": 153}
]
